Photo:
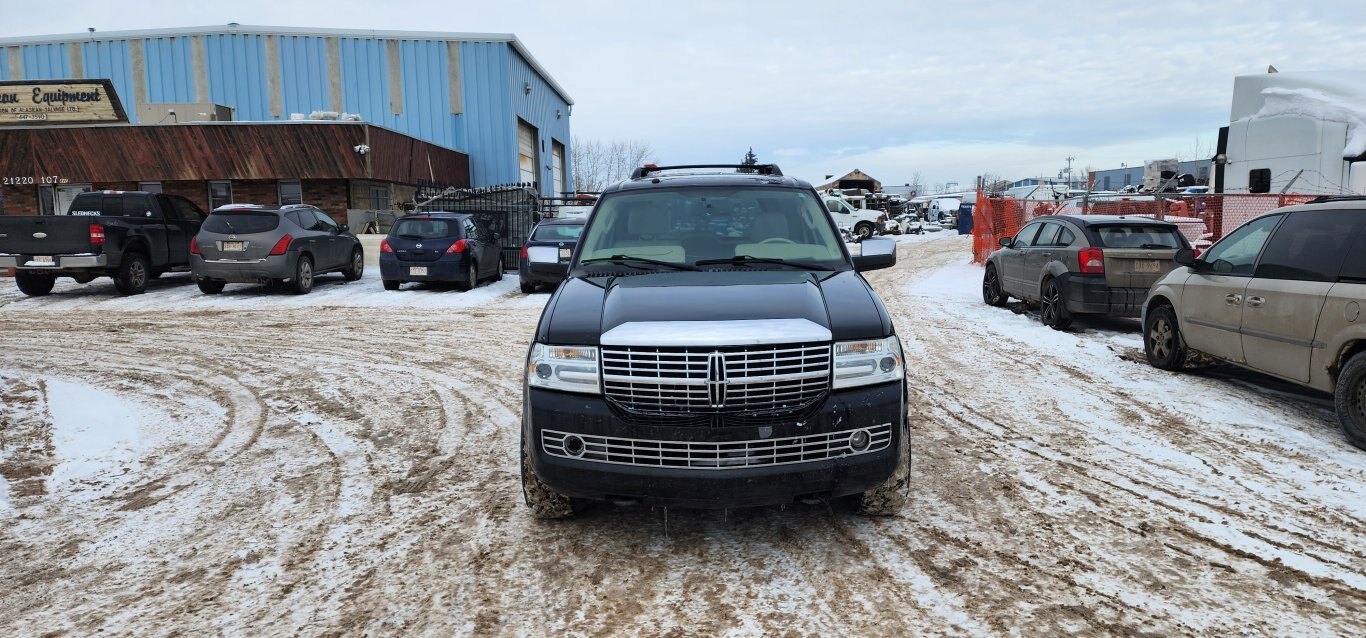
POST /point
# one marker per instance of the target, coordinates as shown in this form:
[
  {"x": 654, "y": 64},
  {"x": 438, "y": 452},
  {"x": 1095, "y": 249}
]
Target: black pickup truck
[{"x": 131, "y": 236}]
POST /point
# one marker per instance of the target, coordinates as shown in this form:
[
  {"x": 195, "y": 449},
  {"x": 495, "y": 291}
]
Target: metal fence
[{"x": 511, "y": 210}]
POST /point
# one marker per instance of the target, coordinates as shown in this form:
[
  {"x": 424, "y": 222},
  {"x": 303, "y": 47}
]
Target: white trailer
[{"x": 1294, "y": 133}]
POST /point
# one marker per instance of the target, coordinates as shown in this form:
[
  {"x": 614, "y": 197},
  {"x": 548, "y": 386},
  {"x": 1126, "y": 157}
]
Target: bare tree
[
  {"x": 993, "y": 184},
  {"x": 598, "y": 163},
  {"x": 916, "y": 186}
]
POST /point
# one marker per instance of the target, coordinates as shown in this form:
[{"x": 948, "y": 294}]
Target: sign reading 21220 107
[{"x": 59, "y": 102}]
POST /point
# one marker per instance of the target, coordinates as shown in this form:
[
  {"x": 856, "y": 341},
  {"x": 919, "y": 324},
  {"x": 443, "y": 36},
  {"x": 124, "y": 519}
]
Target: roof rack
[
  {"x": 1336, "y": 198},
  {"x": 760, "y": 169}
]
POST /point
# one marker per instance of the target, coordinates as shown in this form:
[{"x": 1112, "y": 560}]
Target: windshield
[
  {"x": 557, "y": 232},
  {"x": 423, "y": 228},
  {"x": 1138, "y": 236},
  {"x": 241, "y": 222},
  {"x": 700, "y": 224}
]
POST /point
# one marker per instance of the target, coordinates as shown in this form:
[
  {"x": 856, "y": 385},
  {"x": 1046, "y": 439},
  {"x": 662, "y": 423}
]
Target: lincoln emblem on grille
[{"x": 716, "y": 380}]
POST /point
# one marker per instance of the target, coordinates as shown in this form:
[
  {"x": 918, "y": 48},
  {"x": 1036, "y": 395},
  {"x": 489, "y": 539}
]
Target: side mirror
[
  {"x": 1007, "y": 242},
  {"x": 878, "y": 253},
  {"x": 343, "y": 228},
  {"x": 497, "y": 236},
  {"x": 1185, "y": 257}
]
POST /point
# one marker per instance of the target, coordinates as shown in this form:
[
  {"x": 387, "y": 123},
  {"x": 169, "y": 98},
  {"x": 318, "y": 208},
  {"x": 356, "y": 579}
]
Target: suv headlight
[
  {"x": 868, "y": 362},
  {"x": 568, "y": 368}
]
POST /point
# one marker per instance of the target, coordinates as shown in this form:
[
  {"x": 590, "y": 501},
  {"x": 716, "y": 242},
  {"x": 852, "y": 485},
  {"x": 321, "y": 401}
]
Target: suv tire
[
  {"x": 210, "y": 286},
  {"x": 863, "y": 230},
  {"x": 888, "y": 499},
  {"x": 1350, "y": 399},
  {"x": 471, "y": 278},
  {"x": 356, "y": 267},
  {"x": 1053, "y": 306},
  {"x": 544, "y": 502},
  {"x": 131, "y": 278},
  {"x": 34, "y": 284},
  {"x": 391, "y": 284},
  {"x": 1162, "y": 342},
  {"x": 302, "y": 281},
  {"x": 528, "y": 288},
  {"x": 991, "y": 288},
  {"x": 498, "y": 274}
]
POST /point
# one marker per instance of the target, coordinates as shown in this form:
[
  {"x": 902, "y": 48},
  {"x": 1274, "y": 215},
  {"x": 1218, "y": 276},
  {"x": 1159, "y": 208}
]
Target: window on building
[
  {"x": 1259, "y": 180},
  {"x": 291, "y": 192},
  {"x": 379, "y": 198},
  {"x": 526, "y": 154},
  {"x": 557, "y": 173},
  {"x": 220, "y": 194},
  {"x": 150, "y": 187},
  {"x": 1106, "y": 183}
]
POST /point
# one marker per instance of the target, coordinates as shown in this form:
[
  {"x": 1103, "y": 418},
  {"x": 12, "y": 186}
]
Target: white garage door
[{"x": 526, "y": 152}]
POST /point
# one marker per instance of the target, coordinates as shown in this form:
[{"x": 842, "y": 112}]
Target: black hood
[{"x": 585, "y": 308}]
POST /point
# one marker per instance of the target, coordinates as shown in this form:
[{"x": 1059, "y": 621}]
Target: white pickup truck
[{"x": 861, "y": 222}]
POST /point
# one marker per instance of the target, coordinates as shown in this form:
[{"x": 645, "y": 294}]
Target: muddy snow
[{"x": 345, "y": 463}]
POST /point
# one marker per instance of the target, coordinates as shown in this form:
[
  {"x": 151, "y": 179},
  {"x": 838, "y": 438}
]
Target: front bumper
[
  {"x": 60, "y": 262},
  {"x": 548, "y": 416},
  {"x": 446, "y": 269},
  {"x": 1089, "y": 294},
  {"x": 245, "y": 271}
]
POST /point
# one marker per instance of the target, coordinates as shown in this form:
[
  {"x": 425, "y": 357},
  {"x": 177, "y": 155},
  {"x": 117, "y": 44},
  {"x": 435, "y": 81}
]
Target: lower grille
[{"x": 713, "y": 455}]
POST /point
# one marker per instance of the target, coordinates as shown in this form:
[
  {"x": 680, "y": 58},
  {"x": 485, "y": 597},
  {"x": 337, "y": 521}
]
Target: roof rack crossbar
[{"x": 760, "y": 169}]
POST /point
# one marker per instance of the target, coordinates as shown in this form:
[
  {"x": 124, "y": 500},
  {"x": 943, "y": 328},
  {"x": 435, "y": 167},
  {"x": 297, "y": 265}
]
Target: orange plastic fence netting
[{"x": 1203, "y": 219}]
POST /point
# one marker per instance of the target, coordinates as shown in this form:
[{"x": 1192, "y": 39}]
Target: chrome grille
[
  {"x": 748, "y": 379},
  {"x": 712, "y": 455}
]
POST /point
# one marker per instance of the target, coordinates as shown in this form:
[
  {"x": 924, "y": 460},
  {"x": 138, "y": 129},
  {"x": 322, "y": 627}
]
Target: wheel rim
[
  {"x": 1160, "y": 339},
  {"x": 1358, "y": 402},
  {"x": 474, "y": 276},
  {"x": 139, "y": 274},
  {"x": 1050, "y": 301},
  {"x": 864, "y": 232},
  {"x": 989, "y": 286},
  {"x": 305, "y": 274},
  {"x": 357, "y": 264}
]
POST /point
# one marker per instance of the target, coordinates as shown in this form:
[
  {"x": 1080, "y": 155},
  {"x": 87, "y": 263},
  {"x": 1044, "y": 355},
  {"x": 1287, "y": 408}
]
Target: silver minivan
[{"x": 1282, "y": 295}]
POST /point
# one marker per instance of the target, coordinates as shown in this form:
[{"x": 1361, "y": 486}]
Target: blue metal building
[{"x": 478, "y": 93}]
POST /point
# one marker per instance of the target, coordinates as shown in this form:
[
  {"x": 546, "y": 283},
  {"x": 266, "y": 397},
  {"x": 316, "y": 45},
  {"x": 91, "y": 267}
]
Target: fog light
[
  {"x": 887, "y": 364},
  {"x": 543, "y": 370},
  {"x": 573, "y": 446},
  {"x": 859, "y": 441}
]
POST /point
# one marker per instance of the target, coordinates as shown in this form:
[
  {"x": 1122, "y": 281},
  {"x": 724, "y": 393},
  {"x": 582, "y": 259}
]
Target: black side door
[
  {"x": 179, "y": 230},
  {"x": 145, "y": 220}
]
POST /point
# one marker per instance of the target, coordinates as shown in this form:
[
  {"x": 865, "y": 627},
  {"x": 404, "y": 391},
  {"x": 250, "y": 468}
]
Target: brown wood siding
[{"x": 226, "y": 151}]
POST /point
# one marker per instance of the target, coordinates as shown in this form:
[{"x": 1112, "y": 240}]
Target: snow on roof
[{"x": 1315, "y": 104}]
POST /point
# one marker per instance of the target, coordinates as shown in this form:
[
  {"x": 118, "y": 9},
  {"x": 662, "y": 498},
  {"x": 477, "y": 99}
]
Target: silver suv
[{"x": 1281, "y": 295}]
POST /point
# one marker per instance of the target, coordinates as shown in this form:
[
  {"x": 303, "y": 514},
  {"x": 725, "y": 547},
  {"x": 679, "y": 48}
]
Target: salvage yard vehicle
[
  {"x": 861, "y": 222},
  {"x": 132, "y": 236},
  {"x": 440, "y": 248},
  {"x": 289, "y": 245},
  {"x": 715, "y": 347},
  {"x": 1280, "y": 295},
  {"x": 1082, "y": 264},
  {"x": 546, "y": 253}
]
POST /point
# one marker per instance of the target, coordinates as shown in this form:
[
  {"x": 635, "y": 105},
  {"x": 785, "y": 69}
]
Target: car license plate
[
  {"x": 564, "y": 253},
  {"x": 43, "y": 260},
  {"x": 1147, "y": 265},
  {"x": 418, "y": 271},
  {"x": 234, "y": 246}
]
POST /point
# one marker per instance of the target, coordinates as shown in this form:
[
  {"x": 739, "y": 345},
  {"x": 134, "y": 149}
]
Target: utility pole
[{"x": 1070, "y": 159}]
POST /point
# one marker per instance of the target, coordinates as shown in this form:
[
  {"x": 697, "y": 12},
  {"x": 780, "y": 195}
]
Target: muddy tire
[
  {"x": 356, "y": 267},
  {"x": 544, "y": 502},
  {"x": 210, "y": 286},
  {"x": 391, "y": 284},
  {"x": 888, "y": 498},
  {"x": 1350, "y": 400},
  {"x": 302, "y": 282},
  {"x": 34, "y": 284},
  {"x": 1162, "y": 342},
  {"x": 991, "y": 288},
  {"x": 528, "y": 288},
  {"x": 131, "y": 279},
  {"x": 863, "y": 230},
  {"x": 1053, "y": 306}
]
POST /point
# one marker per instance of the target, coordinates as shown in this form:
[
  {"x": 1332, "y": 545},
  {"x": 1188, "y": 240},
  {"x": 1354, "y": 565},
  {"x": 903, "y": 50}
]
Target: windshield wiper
[
  {"x": 750, "y": 259},
  {"x": 626, "y": 260}
]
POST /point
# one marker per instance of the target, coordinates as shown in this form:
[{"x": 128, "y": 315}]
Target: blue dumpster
[{"x": 965, "y": 218}]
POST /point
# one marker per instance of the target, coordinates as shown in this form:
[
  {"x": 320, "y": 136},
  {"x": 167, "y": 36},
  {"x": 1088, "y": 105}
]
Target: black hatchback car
[
  {"x": 440, "y": 247},
  {"x": 546, "y": 253}
]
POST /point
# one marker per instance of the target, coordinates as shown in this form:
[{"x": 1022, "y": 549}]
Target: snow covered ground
[{"x": 346, "y": 462}]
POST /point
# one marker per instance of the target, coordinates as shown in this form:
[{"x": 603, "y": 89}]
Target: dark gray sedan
[
  {"x": 243, "y": 243},
  {"x": 1082, "y": 264}
]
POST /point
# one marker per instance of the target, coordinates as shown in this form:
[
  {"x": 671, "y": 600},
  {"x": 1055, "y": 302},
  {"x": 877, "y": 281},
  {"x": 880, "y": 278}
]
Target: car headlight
[
  {"x": 868, "y": 362},
  {"x": 568, "y": 368}
]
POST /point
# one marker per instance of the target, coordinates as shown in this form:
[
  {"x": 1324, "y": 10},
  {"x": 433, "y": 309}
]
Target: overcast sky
[{"x": 950, "y": 89}]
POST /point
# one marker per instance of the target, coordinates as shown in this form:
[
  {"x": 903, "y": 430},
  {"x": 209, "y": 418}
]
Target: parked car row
[
  {"x": 1281, "y": 295},
  {"x": 136, "y": 236}
]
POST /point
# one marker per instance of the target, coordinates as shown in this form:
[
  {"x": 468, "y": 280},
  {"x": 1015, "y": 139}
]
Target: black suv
[{"x": 714, "y": 346}]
